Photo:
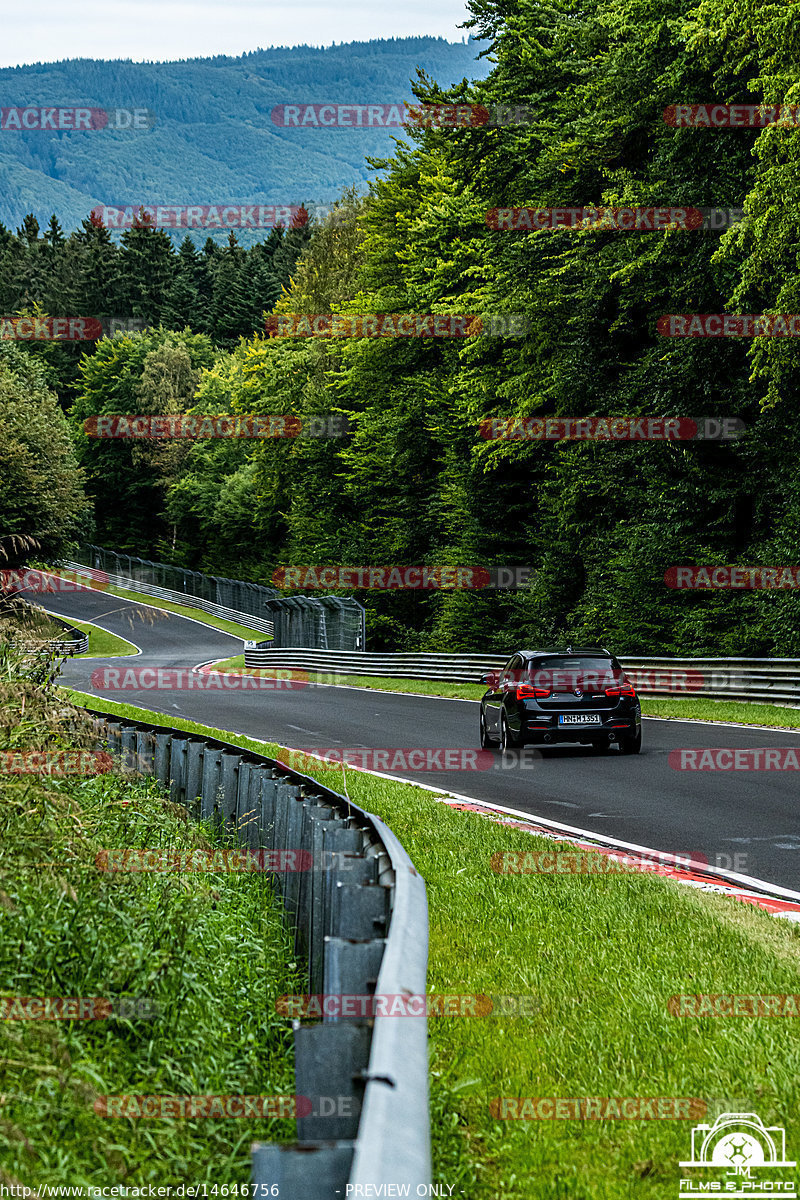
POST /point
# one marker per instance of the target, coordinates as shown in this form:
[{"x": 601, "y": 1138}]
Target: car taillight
[
  {"x": 621, "y": 689},
  {"x": 527, "y": 691}
]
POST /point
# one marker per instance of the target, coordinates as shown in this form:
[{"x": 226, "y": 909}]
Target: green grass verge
[
  {"x": 421, "y": 687},
  {"x": 602, "y": 955},
  {"x": 183, "y": 610},
  {"x": 102, "y": 644},
  {"x": 210, "y": 950},
  {"x": 700, "y": 709},
  {"x": 689, "y": 708}
]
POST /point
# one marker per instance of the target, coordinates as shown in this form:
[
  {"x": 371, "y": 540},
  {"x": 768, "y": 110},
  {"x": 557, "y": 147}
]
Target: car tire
[
  {"x": 507, "y": 739},
  {"x": 631, "y": 745},
  {"x": 487, "y": 743}
]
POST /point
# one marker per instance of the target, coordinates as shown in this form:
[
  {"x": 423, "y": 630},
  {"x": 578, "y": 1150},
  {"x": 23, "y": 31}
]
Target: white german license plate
[{"x": 580, "y": 719}]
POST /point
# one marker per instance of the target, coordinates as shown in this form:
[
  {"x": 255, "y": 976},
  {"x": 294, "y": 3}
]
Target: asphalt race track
[{"x": 639, "y": 799}]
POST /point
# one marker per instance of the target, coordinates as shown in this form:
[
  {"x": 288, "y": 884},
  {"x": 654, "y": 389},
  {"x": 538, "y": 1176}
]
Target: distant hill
[{"x": 213, "y": 140}]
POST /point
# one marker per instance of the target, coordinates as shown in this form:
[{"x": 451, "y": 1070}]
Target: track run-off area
[{"x": 743, "y": 820}]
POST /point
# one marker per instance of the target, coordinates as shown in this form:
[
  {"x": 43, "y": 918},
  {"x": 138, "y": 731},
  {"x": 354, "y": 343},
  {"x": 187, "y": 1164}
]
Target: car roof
[{"x": 572, "y": 651}]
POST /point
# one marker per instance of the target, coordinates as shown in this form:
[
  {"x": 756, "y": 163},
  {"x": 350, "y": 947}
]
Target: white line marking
[
  {"x": 773, "y": 890},
  {"x": 725, "y": 724},
  {"x": 98, "y": 626},
  {"x": 351, "y": 687},
  {"x": 169, "y": 613}
]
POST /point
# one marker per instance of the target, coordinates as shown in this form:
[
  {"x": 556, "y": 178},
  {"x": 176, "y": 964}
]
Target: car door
[
  {"x": 494, "y": 699},
  {"x": 507, "y": 683}
]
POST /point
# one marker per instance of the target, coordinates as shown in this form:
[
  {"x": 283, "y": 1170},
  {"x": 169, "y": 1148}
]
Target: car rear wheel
[
  {"x": 486, "y": 742},
  {"x": 631, "y": 745},
  {"x": 507, "y": 739}
]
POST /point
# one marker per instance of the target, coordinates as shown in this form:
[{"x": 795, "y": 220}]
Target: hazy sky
[{"x": 47, "y": 30}]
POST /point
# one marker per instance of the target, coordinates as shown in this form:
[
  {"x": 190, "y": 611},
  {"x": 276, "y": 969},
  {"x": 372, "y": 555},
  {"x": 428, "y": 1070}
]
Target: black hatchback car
[{"x": 546, "y": 696}]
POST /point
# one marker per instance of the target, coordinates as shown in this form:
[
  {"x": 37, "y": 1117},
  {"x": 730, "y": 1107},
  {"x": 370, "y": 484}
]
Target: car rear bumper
[{"x": 540, "y": 729}]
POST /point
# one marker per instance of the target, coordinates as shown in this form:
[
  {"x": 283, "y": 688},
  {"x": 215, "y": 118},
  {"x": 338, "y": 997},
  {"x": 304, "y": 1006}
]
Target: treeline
[
  {"x": 221, "y": 291},
  {"x": 415, "y": 482}
]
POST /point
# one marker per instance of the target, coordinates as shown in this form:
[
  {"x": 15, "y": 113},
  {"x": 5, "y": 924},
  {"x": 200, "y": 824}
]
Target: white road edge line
[
  {"x": 351, "y": 687},
  {"x": 772, "y": 889},
  {"x": 169, "y": 613},
  {"x": 109, "y": 631}
]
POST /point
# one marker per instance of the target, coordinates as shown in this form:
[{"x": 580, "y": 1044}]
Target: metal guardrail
[
  {"x": 770, "y": 680},
  {"x": 184, "y": 599},
  {"x": 360, "y": 920},
  {"x": 77, "y": 643},
  {"x": 327, "y": 622}
]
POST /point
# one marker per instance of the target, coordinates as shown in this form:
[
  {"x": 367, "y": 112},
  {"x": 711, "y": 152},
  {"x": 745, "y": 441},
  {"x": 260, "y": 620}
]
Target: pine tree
[
  {"x": 184, "y": 306},
  {"x": 147, "y": 270}
]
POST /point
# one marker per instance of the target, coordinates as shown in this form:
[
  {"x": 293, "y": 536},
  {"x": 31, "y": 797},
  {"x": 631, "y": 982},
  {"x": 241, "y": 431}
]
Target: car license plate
[{"x": 580, "y": 719}]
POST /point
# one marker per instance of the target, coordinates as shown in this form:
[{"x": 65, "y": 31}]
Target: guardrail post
[
  {"x": 228, "y": 793},
  {"x": 161, "y": 758},
  {"x": 329, "y": 1061},
  {"x": 178, "y": 771},
  {"x": 366, "y": 1076},
  {"x": 145, "y": 752},
  {"x": 212, "y": 771},
  {"x": 351, "y": 969},
  {"x": 195, "y": 753},
  {"x": 307, "y": 1172},
  {"x": 268, "y": 806},
  {"x": 360, "y": 910}
]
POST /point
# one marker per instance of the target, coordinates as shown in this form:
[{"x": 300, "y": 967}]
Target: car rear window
[{"x": 564, "y": 674}]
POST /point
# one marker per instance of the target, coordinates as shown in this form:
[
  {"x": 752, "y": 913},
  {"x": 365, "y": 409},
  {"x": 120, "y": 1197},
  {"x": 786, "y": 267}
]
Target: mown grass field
[{"x": 601, "y": 955}]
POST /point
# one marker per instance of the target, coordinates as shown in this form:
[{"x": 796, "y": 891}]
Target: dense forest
[
  {"x": 414, "y": 482},
  {"x": 210, "y": 136}
]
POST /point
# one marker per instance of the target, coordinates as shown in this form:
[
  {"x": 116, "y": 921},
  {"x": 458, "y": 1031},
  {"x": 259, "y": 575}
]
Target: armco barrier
[
  {"x": 765, "y": 680},
  {"x": 362, "y": 926},
  {"x": 185, "y": 600},
  {"x": 323, "y": 622},
  {"x": 74, "y": 642}
]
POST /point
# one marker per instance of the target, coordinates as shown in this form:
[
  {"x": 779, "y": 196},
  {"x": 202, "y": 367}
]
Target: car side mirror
[{"x": 490, "y": 679}]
